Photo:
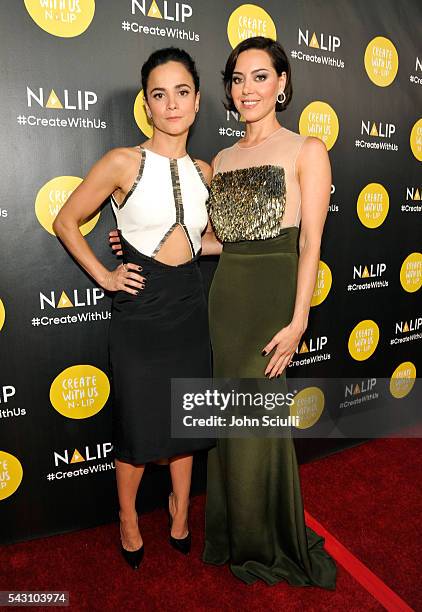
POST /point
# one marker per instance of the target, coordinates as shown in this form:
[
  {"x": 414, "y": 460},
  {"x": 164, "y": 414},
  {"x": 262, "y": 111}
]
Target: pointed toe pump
[
  {"x": 133, "y": 557},
  {"x": 182, "y": 545}
]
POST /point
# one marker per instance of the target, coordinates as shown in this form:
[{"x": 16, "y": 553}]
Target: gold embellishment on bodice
[{"x": 248, "y": 203}]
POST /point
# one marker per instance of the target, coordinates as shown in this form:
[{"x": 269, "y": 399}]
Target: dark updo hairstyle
[
  {"x": 169, "y": 54},
  {"x": 279, "y": 60}
]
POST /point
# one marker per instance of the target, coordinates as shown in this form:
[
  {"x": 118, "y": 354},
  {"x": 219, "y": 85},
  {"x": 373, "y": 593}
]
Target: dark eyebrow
[
  {"x": 253, "y": 71},
  {"x": 177, "y": 87}
]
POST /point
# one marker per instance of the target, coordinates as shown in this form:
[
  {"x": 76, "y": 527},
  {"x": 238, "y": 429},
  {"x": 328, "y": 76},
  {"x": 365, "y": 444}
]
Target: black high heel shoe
[
  {"x": 182, "y": 545},
  {"x": 132, "y": 557}
]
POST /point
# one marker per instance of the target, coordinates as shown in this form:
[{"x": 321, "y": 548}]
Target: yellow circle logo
[
  {"x": 319, "y": 119},
  {"x": 249, "y": 20},
  {"x": 373, "y": 204},
  {"x": 11, "y": 473},
  {"x": 403, "y": 379},
  {"x": 2, "y": 315},
  {"x": 51, "y": 198},
  {"x": 79, "y": 391},
  {"x": 411, "y": 272},
  {"x": 65, "y": 18},
  {"x": 363, "y": 340},
  {"x": 308, "y": 405},
  {"x": 381, "y": 61},
  {"x": 141, "y": 117},
  {"x": 416, "y": 140},
  {"x": 322, "y": 285}
]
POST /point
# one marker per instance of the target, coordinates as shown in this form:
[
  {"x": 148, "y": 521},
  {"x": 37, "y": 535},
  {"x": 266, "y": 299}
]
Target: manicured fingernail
[
  {"x": 140, "y": 268},
  {"x": 263, "y": 353},
  {"x": 278, "y": 375}
]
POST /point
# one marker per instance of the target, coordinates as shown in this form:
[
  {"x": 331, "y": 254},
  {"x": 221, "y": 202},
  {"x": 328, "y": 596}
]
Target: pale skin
[
  {"x": 255, "y": 86},
  {"x": 172, "y": 104}
]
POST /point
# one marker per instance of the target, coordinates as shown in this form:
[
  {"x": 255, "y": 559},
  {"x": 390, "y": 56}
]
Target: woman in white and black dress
[{"x": 159, "y": 325}]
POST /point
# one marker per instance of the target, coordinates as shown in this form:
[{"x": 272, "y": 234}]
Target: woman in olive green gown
[{"x": 264, "y": 187}]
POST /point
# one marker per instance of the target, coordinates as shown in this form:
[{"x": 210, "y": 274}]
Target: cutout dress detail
[{"x": 163, "y": 331}]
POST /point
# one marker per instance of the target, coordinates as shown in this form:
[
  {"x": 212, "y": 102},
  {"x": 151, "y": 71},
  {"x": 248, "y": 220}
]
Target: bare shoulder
[
  {"x": 120, "y": 156},
  {"x": 313, "y": 146},
  {"x": 313, "y": 151},
  {"x": 205, "y": 169},
  {"x": 116, "y": 162}
]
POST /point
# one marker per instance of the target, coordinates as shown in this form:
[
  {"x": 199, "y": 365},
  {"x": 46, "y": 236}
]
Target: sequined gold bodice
[
  {"x": 247, "y": 204},
  {"x": 255, "y": 191}
]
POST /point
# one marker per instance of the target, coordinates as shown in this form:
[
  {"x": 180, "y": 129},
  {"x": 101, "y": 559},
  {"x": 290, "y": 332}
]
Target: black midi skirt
[{"x": 159, "y": 334}]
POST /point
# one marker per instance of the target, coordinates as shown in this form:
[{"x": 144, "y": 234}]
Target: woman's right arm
[{"x": 102, "y": 180}]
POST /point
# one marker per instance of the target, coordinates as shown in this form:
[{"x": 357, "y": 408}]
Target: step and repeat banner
[{"x": 70, "y": 91}]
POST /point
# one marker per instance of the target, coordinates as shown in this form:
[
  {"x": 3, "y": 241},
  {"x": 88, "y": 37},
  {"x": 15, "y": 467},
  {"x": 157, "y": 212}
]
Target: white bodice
[{"x": 167, "y": 192}]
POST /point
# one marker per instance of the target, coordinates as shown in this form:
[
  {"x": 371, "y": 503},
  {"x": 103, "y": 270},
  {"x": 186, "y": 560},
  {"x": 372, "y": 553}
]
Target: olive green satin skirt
[{"x": 254, "y": 511}]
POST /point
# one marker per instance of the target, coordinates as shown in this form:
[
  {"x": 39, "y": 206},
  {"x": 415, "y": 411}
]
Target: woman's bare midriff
[{"x": 176, "y": 249}]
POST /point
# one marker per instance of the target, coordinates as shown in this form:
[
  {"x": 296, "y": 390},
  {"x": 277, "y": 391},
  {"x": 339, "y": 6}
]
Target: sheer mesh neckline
[{"x": 262, "y": 141}]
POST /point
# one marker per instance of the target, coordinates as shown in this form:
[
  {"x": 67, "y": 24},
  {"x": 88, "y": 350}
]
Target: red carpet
[{"x": 367, "y": 497}]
